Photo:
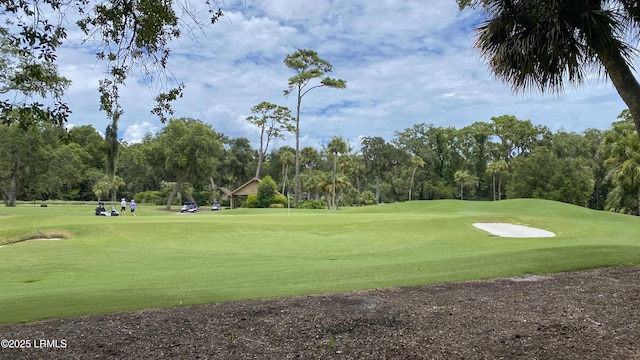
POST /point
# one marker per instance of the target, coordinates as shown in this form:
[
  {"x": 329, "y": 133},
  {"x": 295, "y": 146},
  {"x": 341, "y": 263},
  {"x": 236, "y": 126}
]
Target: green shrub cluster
[
  {"x": 276, "y": 206},
  {"x": 266, "y": 192},
  {"x": 368, "y": 198},
  {"x": 280, "y": 200},
  {"x": 312, "y": 204},
  {"x": 252, "y": 201},
  {"x": 149, "y": 197}
]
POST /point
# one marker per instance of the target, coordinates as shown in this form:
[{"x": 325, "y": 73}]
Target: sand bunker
[
  {"x": 36, "y": 239},
  {"x": 513, "y": 231}
]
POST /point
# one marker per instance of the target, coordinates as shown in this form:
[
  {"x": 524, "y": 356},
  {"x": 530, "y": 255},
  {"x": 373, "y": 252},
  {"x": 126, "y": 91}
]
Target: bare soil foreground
[{"x": 591, "y": 314}]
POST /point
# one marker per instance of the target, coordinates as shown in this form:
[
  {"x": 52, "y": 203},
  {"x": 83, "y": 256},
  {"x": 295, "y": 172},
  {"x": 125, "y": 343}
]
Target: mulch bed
[{"x": 592, "y": 314}]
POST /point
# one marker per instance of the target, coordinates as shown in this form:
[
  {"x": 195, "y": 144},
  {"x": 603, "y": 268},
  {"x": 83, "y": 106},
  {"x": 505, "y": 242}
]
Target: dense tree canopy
[
  {"x": 186, "y": 150},
  {"x": 190, "y": 158}
]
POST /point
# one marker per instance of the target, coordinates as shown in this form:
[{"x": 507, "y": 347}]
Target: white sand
[{"x": 513, "y": 231}]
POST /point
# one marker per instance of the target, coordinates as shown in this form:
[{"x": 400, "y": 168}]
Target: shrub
[
  {"x": 280, "y": 200},
  {"x": 368, "y": 198},
  {"x": 312, "y": 204},
  {"x": 439, "y": 190},
  {"x": 149, "y": 197},
  {"x": 252, "y": 201},
  {"x": 266, "y": 192},
  {"x": 276, "y": 206}
]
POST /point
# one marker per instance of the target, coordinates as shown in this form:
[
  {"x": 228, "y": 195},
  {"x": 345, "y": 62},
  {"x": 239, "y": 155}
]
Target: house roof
[
  {"x": 225, "y": 191},
  {"x": 248, "y": 188}
]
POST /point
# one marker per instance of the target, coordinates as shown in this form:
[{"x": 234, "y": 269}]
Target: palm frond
[{"x": 537, "y": 44}]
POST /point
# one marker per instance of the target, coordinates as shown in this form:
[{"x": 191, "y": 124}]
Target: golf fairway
[{"x": 166, "y": 259}]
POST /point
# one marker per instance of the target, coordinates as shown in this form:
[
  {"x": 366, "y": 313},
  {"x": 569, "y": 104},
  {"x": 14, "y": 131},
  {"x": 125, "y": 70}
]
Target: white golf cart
[
  {"x": 189, "y": 207},
  {"x": 106, "y": 209}
]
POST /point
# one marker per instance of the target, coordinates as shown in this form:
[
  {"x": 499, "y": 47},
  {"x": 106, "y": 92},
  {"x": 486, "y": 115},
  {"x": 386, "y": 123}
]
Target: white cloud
[
  {"x": 405, "y": 62},
  {"x": 136, "y": 132}
]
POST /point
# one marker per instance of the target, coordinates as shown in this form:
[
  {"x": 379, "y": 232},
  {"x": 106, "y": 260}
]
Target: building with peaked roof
[{"x": 248, "y": 188}]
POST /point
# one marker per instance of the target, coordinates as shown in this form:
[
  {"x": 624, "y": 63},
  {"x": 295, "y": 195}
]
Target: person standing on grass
[
  {"x": 133, "y": 207},
  {"x": 123, "y": 207}
]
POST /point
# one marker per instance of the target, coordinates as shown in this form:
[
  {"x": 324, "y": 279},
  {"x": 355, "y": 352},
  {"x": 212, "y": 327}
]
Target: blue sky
[{"x": 405, "y": 62}]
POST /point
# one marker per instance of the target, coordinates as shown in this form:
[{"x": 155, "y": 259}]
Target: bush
[
  {"x": 368, "y": 198},
  {"x": 252, "y": 201},
  {"x": 276, "y": 206},
  {"x": 148, "y": 197},
  {"x": 312, "y": 204},
  {"x": 280, "y": 200},
  {"x": 439, "y": 190},
  {"x": 266, "y": 192}
]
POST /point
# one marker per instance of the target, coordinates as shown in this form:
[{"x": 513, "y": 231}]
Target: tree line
[
  {"x": 189, "y": 160},
  {"x": 504, "y": 158}
]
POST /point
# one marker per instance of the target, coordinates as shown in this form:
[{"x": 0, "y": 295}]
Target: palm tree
[
  {"x": 101, "y": 189},
  {"x": 541, "y": 44},
  {"x": 336, "y": 146},
  {"x": 107, "y": 187},
  {"x": 287, "y": 158},
  {"x": 354, "y": 168},
  {"x": 416, "y": 162},
  {"x": 321, "y": 184},
  {"x": 340, "y": 183},
  {"x": 621, "y": 150},
  {"x": 309, "y": 157},
  {"x": 464, "y": 178},
  {"x": 496, "y": 168}
]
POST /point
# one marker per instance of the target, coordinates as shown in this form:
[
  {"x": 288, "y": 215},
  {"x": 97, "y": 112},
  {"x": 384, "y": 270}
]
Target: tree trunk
[
  {"x": 309, "y": 191},
  {"x": 333, "y": 187},
  {"x": 296, "y": 195},
  {"x": 623, "y": 79},
  {"x": 176, "y": 189},
  {"x": 261, "y": 152},
  {"x": 638, "y": 202},
  {"x": 358, "y": 191},
  {"x": 113, "y": 146},
  {"x": 377, "y": 190},
  {"x": 413, "y": 174},
  {"x": 259, "y": 167},
  {"x": 494, "y": 187},
  {"x": 11, "y": 195},
  {"x": 285, "y": 175}
]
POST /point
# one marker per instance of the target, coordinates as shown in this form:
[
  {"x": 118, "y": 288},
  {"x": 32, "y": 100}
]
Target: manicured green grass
[{"x": 162, "y": 259}]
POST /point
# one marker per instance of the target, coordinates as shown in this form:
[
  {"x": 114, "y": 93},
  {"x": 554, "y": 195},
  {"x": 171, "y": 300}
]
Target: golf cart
[
  {"x": 216, "y": 206},
  {"x": 189, "y": 207},
  {"x": 101, "y": 209}
]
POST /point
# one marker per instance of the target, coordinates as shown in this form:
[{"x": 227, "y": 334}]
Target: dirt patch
[
  {"x": 40, "y": 236},
  {"x": 579, "y": 315}
]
